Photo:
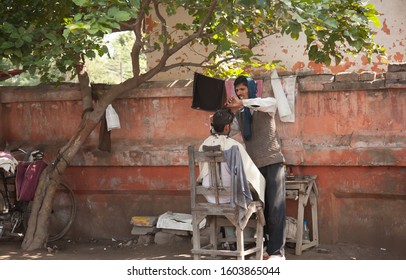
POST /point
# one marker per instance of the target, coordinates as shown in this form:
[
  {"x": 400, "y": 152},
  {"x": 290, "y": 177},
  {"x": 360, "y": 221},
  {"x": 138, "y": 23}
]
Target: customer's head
[
  {"x": 245, "y": 87},
  {"x": 222, "y": 120}
]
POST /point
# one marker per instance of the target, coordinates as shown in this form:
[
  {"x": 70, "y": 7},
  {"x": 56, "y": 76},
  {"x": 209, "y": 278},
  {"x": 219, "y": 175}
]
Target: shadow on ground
[{"x": 130, "y": 250}]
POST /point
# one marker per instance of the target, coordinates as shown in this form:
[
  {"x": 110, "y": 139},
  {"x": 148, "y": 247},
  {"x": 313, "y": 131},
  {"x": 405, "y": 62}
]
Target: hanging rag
[
  {"x": 104, "y": 135},
  {"x": 239, "y": 179},
  {"x": 209, "y": 94}
]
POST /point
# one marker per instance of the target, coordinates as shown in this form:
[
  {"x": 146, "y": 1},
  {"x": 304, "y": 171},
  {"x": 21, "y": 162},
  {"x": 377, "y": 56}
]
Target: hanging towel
[
  {"x": 280, "y": 96},
  {"x": 209, "y": 94}
]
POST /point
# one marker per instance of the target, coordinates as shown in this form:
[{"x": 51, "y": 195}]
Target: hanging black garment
[{"x": 209, "y": 93}]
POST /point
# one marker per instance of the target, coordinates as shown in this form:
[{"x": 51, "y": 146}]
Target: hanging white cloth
[
  {"x": 113, "y": 121},
  {"x": 285, "y": 96}
]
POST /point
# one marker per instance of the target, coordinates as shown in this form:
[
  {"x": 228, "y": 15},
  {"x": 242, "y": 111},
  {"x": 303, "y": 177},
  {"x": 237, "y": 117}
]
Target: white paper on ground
[{"x": 180, "y": 221}]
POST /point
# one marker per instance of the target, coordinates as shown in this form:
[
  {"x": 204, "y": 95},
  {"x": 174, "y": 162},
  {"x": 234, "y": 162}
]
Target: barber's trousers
[{"x": 275, "y": 208}]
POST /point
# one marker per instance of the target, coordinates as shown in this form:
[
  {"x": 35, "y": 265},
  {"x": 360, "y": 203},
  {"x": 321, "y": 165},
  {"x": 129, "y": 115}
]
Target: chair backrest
[{"x": 214, "y": 158}]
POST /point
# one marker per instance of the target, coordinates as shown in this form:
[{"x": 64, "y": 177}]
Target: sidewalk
[{"x": 179, "y": 250}]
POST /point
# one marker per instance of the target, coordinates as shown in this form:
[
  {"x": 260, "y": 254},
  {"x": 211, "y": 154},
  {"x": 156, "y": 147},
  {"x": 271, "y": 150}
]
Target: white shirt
[
  {"x": 266, "y": 105},
  {"x": 252, "y": 173}
]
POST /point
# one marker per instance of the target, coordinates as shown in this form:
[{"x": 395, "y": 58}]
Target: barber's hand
[{"x": 233, "y": 102}]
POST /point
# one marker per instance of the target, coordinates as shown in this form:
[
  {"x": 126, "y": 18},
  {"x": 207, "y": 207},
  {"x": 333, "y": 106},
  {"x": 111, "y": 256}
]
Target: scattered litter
[
  {"x": 323, "y": 251},
  {"x": 52, "y": 250}
]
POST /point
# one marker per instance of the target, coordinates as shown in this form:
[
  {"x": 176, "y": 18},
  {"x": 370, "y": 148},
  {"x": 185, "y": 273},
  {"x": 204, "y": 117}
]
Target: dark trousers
[{"x": 275, "y": 208}]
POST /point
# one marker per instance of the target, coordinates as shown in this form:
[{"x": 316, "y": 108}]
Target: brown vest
[{"x": 263, "y": 148}]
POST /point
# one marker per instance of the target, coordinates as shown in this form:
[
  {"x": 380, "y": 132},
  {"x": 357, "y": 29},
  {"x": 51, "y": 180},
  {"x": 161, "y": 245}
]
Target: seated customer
[{"x": 221, "y": 125}]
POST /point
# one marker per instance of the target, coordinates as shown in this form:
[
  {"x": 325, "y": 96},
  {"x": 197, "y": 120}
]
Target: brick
[
  {"x": 396, "y": 83},
  {"x": 377, "y": 84},
  {"x": 144, "y": 221},
  {"x": 396, "y": 75},
  {"x": 346, "y": 77},
  {"x": 136, "y": 230},
  {"x": 367, "y": 76},
  {"x": 397, "y": 67},
  {"x": 314, "y": 82}
]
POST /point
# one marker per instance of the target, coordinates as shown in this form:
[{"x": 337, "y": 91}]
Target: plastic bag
[{"x": 113, "y": 121}]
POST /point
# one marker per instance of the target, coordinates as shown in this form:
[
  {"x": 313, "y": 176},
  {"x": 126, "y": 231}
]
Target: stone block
[
  {"x": 162, "y": 238},
  {"x": 346, "y": 77},
  {"x": 367, "y": 76},
  {"x": 177, "y": 232},
  {"x": 355, "y": 85},
  {"x": 145, "y": 239},
  {"x": 314, "y": 82},
  {"x": 396, "y": 75},
  {"x": 144, "y": 221},
  {"x": 137, "y": 230},
  {"x": 397, "y": 67}
]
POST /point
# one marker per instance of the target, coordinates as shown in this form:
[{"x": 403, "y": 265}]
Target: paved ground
[{"x": 180, "y": 250}]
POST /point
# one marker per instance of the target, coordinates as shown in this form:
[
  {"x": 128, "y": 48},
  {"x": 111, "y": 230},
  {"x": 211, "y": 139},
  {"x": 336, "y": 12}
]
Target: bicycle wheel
[{"x": 63, "y": 213}]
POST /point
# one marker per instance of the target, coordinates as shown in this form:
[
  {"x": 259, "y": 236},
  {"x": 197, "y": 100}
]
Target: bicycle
[{"x": 15, "y": 212}]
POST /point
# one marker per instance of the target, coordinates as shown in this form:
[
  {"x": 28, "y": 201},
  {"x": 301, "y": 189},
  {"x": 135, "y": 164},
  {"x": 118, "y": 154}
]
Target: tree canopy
[{"x": 40, "y": 35}]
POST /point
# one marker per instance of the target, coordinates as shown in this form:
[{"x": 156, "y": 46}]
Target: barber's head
[
  {"x": 222, "y": 119},
  {"x": 245, "y": 87}
]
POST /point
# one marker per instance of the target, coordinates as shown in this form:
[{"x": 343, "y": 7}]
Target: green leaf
[
  {"x": 80, "y": 2},
  {"x": 332, "y": 23},
  {"x": 122, "y": 16},
  {"x": 27, "y": 37},
  {"x": 6, "y": 45},
  {"x": 313, "y": 51},
  {"x": 19, "y": 43}
]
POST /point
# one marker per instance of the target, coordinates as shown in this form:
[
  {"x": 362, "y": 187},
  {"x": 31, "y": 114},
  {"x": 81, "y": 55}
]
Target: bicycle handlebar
[{"x": 30, "y": 155}]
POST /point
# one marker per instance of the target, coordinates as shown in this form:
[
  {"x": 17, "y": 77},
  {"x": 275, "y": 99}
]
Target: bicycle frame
[
  {"x": 12, "y": 212},
  {"x": 15, "y": 213}
]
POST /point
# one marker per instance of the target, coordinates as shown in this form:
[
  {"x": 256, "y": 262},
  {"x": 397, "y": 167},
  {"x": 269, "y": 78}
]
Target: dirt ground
[{"x": 180, "y": 250}]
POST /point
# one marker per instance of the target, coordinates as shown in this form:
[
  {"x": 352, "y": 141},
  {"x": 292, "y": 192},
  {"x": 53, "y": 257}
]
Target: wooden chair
[{"x": 218, "y": 215}]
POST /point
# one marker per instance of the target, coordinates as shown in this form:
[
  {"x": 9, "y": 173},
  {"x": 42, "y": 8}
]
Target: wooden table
[{"x": 304, "y": 189}]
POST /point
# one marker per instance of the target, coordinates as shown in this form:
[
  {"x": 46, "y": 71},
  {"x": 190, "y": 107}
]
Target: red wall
[{"x": 352, "y": 139}]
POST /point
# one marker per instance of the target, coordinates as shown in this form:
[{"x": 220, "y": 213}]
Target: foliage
[{"x": 38, "y": 34}]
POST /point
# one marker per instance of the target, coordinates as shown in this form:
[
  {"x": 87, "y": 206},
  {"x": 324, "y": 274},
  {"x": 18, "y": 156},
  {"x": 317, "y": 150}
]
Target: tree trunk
[{"x": 37, "y": 232}]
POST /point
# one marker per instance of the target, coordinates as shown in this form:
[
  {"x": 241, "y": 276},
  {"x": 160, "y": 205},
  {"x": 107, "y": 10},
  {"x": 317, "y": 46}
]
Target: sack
[
  {"x": 27, "y": 178},
  {"x": 291, "y": 228},
  {"x": 113, "y": 122}
]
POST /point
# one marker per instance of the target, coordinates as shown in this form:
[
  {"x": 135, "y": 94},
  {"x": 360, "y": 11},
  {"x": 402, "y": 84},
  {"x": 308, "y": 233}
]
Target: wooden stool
[
  {"x": 304, "y": 189},
  {"x": 219, "y": 214}
]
